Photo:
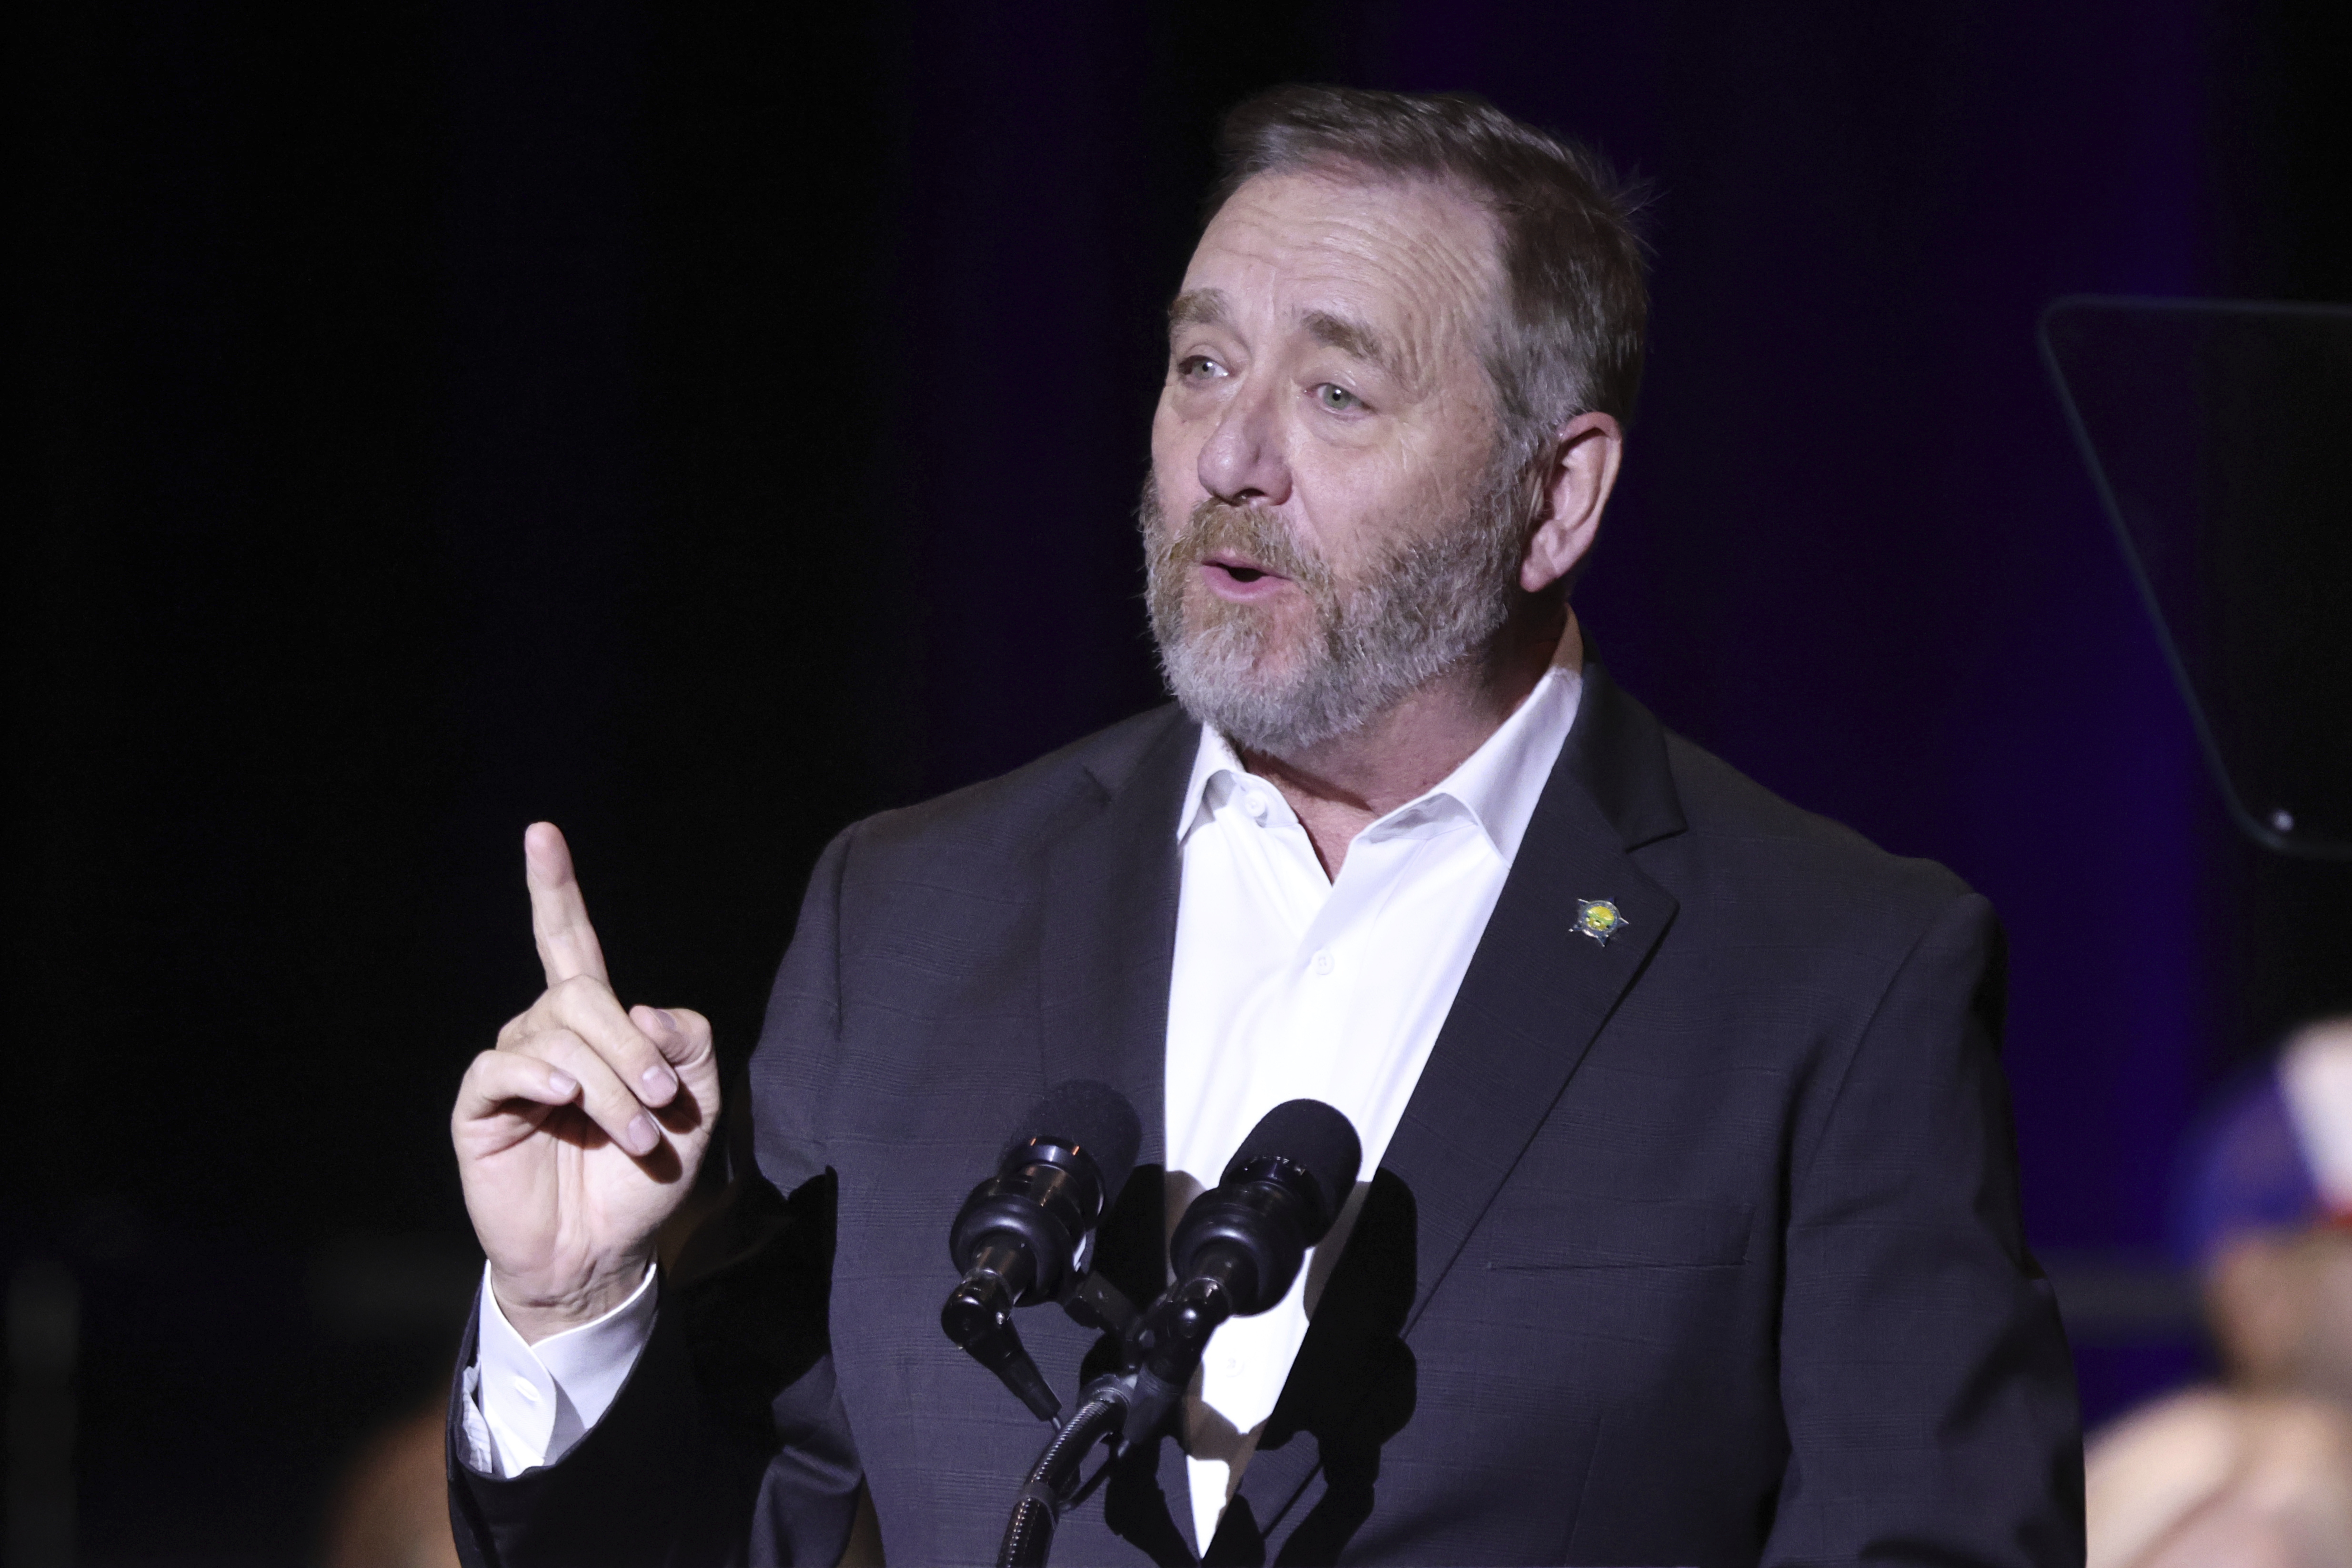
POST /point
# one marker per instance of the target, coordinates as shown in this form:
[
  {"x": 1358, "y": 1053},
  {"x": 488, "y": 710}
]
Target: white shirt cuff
[{"x": 537, "y": 1401}]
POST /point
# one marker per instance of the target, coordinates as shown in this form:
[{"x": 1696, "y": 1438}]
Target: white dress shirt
[
  {"x": 530, "y": 1403},
  {"x": 1289, "y": 985},
  {"x": 1285, "y": 985}
]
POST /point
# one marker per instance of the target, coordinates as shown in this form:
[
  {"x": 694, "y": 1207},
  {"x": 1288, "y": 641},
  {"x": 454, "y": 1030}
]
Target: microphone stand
[
  {"x": 1163, "y": 1352},
  {"x": 1052, "y": 1481}
]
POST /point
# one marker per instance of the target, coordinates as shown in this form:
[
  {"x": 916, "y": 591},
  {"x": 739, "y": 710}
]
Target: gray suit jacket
[{"x": 1698, "y": 1246}]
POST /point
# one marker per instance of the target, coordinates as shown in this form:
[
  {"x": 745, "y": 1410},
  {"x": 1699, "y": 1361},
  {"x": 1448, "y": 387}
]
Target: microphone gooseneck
[
  {"x": 1054, "y": 1480},
  {"x": 1024, "y": 1234}
]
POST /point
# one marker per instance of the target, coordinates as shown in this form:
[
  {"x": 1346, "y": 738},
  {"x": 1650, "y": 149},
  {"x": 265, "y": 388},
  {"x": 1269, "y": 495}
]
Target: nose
[{"x": 1242, "y": 460}]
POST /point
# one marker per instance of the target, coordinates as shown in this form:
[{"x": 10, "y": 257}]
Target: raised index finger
[{"x": 559, "y": 916}]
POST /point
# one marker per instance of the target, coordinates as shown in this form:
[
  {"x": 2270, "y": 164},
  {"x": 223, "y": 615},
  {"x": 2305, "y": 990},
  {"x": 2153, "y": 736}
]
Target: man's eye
[
  {"x": 1199, "y": 367},
  {"x": 1337, "y": 398}
]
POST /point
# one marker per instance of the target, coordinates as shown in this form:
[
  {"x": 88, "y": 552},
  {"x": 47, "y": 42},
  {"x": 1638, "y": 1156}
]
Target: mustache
[{"x": 1255, "y": 533}]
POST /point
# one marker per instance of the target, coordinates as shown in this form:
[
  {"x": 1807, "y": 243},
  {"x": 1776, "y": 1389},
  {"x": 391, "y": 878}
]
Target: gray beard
[{"x": 1420, "y": 610}]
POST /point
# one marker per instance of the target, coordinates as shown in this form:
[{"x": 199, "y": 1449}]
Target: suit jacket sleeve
[
  {"x": 728, "y": 1444},
  {"x": 1924, "y": 1377}
]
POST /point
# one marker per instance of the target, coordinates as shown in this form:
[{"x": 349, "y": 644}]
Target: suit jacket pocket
[{"x": 1575, "y": 1230}]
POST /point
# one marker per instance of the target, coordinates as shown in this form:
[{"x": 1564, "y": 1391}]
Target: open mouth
[{"x": 1241, "y": 569}]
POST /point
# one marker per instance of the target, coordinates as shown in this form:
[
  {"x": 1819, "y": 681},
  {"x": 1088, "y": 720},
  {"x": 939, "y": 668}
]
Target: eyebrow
[
  {"x": 1354, "y": 338},
  {"x": 1200, "y": 307}
]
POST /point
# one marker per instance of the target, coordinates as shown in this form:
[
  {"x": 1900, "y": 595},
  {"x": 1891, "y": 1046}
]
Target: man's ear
[{"x": 1574, "y": 488}]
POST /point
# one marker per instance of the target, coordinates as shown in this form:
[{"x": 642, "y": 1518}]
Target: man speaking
[{"x": 1689, "y": 1228}]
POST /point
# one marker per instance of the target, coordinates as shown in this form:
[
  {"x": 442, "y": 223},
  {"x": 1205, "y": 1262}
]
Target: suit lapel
[
  {"x": 1538, "y": 988},
  {"x": 1106, "y": 946},
  {"x": 1107, "y": 936}
]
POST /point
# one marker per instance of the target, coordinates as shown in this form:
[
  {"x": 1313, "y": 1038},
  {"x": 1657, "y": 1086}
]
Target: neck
[{"x": 1342, "y": 785}]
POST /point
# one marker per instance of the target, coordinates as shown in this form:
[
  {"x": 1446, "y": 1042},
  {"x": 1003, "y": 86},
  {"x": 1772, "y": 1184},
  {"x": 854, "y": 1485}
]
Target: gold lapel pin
[{"x": 1598, "y": 918}]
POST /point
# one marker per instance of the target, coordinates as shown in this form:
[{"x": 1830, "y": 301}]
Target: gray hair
[{"x": 1577, "y": 302}]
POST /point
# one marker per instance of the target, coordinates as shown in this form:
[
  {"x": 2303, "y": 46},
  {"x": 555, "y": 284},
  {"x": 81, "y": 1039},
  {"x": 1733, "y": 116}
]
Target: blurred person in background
[
  {"x": 2257, "y": 1469},
  {"x": 391, "y": 1507}
]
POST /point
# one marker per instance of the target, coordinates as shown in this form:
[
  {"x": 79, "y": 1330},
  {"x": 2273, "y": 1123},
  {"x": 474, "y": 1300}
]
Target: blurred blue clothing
[{"x": 2243, "y": 1167}]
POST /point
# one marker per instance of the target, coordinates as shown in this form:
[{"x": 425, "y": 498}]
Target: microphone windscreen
[
  {"x": 1094, "y": 1117},
  {"x": 1313, "y": 1137}
]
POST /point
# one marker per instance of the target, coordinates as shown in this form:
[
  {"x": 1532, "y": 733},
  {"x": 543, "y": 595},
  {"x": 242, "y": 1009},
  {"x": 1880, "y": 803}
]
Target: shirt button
[
  {"x": 1323, "y": 962},
  {"x": 522, "y": 1386},
  {"x": 1255, "y": 805}
]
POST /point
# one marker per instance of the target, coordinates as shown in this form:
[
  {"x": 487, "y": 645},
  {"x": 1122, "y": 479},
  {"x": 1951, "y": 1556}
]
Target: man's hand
[{"x": 582, "y": 1131}]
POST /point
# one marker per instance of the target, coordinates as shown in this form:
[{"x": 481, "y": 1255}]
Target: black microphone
[
  {"x": 1237, "y": 1252},
  {"x": 1025, "y": 1234},
  {"x": 1240, "y": 1244}
]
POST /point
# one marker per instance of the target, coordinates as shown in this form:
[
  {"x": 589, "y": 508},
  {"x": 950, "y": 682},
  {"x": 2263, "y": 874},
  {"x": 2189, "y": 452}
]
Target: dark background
[{"x": 703, "y": 425}]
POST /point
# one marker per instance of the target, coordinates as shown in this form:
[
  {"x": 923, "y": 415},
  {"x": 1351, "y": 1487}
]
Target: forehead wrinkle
[
  {"x": 1444, "y": 286},
  {"x": 1417, "y": 243}
]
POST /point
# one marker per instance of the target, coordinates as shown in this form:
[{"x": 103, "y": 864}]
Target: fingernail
[
  {"x": 670, "y": 1021},
  {"x": 660, "y": 1081},
  {"x": 561, "y": 1084},
  {"x": 643, "y": 1135}
]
